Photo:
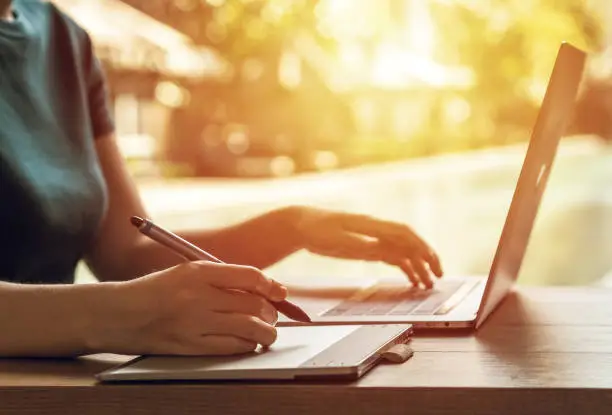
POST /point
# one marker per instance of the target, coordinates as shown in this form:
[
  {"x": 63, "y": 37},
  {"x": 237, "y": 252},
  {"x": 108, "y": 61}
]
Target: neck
[{"x": 5, "y": 10}]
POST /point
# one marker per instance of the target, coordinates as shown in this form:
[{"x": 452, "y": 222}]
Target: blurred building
[
  {"x": 297, "y": 103},
  {"x": 148, "y": 65}
]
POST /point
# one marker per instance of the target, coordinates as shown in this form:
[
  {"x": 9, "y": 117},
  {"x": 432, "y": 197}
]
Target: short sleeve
[{"x": 97, "y": 93}]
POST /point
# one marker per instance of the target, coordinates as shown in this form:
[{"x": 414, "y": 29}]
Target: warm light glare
[
  {"x": 215, "y": 3},
  {"x": 290, "y": 70},
  {"x": 282, "y": 166},
  {"x": 290, "y": 85},
  {"x": 350, "y": 19},
  {"x": 326, "y": 160},
  {"x": 171, "y": 94},
  {"x": 238, "y": 142},
  {"x": 376, "y": 47}
]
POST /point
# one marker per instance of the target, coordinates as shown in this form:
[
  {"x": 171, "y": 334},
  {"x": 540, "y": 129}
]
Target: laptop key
[
  {"x": 405, "y": 307},
  {"x": 381, "y": 309},
  {"x": 433, "y": 303},
  {"x": 334, "y": 312},
  {"x": 393, "y": 301}
]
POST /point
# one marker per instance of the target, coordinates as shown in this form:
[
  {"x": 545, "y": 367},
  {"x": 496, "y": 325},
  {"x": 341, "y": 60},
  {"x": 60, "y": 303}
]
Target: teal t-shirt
[{"x": 53, "y": 104}]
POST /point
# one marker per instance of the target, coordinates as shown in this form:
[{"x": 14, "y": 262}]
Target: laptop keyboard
[{"x": 395, "y": 301}]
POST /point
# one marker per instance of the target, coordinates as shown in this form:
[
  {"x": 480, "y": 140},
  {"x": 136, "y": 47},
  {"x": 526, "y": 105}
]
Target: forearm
[
  {"x": 259, "y": 242},
  {"x": 52, "y": 320}
]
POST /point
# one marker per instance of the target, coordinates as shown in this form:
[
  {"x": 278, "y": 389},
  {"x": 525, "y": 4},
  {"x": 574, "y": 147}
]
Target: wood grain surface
[{"x": 545, "y": 350}]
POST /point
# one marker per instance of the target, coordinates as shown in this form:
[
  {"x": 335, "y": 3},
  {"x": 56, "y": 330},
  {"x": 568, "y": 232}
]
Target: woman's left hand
[{"x": 356, "y": 236}]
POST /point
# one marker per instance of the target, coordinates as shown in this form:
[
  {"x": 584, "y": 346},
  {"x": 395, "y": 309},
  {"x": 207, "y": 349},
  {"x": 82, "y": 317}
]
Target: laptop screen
[{"x": 550, "y": 124}]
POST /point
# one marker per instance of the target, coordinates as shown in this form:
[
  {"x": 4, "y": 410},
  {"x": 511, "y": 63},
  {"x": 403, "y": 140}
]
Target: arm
[
  {"x": 51, "y": 320},
  {"x": 259, "y": 242},
  {"x": 121, "y": 253},
  {"x": 191, "y": 309}
]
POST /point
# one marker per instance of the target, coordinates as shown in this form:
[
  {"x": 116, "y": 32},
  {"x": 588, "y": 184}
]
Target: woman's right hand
[{"x": 196, "y": 308}]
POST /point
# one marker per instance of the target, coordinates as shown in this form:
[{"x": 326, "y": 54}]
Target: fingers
[
  {"x": 242, "y": 326},
  {"x": 223, "y": 345},
  {"x": 243, "y": 278},
  {"x": 399, "y": 235},
  {"x": 199, "y": 308},
  {"x": 244, "y": 303},
  {"x": 415, "y": 269},
  {"x": 407, "y": 268},
  {"x": 434, "y": 264},
  {"x": 423, "y": 274},
  {"x": 212, "y": 345},
  {"x": 352, "y": 246}
]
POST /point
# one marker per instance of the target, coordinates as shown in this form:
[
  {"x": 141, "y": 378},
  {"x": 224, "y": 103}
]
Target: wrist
[
  {"x": 289, "y": 218},
  {"x": 54, "y": 320},
  {"x": 109, "y": 314}
]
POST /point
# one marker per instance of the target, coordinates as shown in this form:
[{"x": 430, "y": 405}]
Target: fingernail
[
  {"x": 278, "y": 292},
  {"x": 270, "y": 315}
]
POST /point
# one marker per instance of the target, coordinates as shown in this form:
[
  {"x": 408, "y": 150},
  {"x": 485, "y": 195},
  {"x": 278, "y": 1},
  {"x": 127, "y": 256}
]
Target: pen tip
[
  {"x": 137, "y": 221},
  {"x": 293, "y": 311}
]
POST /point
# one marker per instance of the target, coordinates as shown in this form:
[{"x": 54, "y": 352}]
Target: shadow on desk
[{"x": 44, "y": 371}]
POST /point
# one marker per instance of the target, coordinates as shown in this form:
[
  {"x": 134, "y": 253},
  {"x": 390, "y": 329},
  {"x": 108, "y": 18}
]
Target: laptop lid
[{"x": 551, "y": 121}]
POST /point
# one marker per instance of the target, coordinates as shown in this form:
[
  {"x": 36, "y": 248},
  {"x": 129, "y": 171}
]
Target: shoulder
[
  {"x": 66, "y": 39},
  {"x": 44, "y": 11}
]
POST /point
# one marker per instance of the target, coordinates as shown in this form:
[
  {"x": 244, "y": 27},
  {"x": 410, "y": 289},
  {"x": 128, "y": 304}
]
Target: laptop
[{"x": 457, "y": 302}]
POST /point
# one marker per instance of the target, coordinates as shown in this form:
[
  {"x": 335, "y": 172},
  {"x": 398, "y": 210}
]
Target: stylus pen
[{"x": 193, "y": 253}]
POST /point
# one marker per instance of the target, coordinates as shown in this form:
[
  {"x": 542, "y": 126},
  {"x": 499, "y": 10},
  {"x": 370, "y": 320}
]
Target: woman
[{"x": 65, "y": 195}]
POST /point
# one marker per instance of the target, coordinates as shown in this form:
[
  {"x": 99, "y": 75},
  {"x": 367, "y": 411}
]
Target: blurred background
[{"x": 412, "y": 110}]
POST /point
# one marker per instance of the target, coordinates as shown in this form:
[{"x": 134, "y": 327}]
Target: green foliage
[
  {"x": 242, "y": 28},
  {"x": 510, "y": 45}
]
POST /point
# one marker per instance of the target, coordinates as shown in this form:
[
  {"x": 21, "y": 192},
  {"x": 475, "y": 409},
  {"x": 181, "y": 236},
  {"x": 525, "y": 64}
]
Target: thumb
[{"x": 243, "y": 278}]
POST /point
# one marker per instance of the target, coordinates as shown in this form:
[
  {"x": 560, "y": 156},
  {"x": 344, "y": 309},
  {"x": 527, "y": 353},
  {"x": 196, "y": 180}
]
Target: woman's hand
[
  {"x": 353, "y": 236},
  {"x": 196, "y": 308}
]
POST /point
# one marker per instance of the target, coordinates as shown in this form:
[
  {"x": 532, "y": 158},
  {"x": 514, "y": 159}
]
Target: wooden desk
[{"x": 545, "y": 350}]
